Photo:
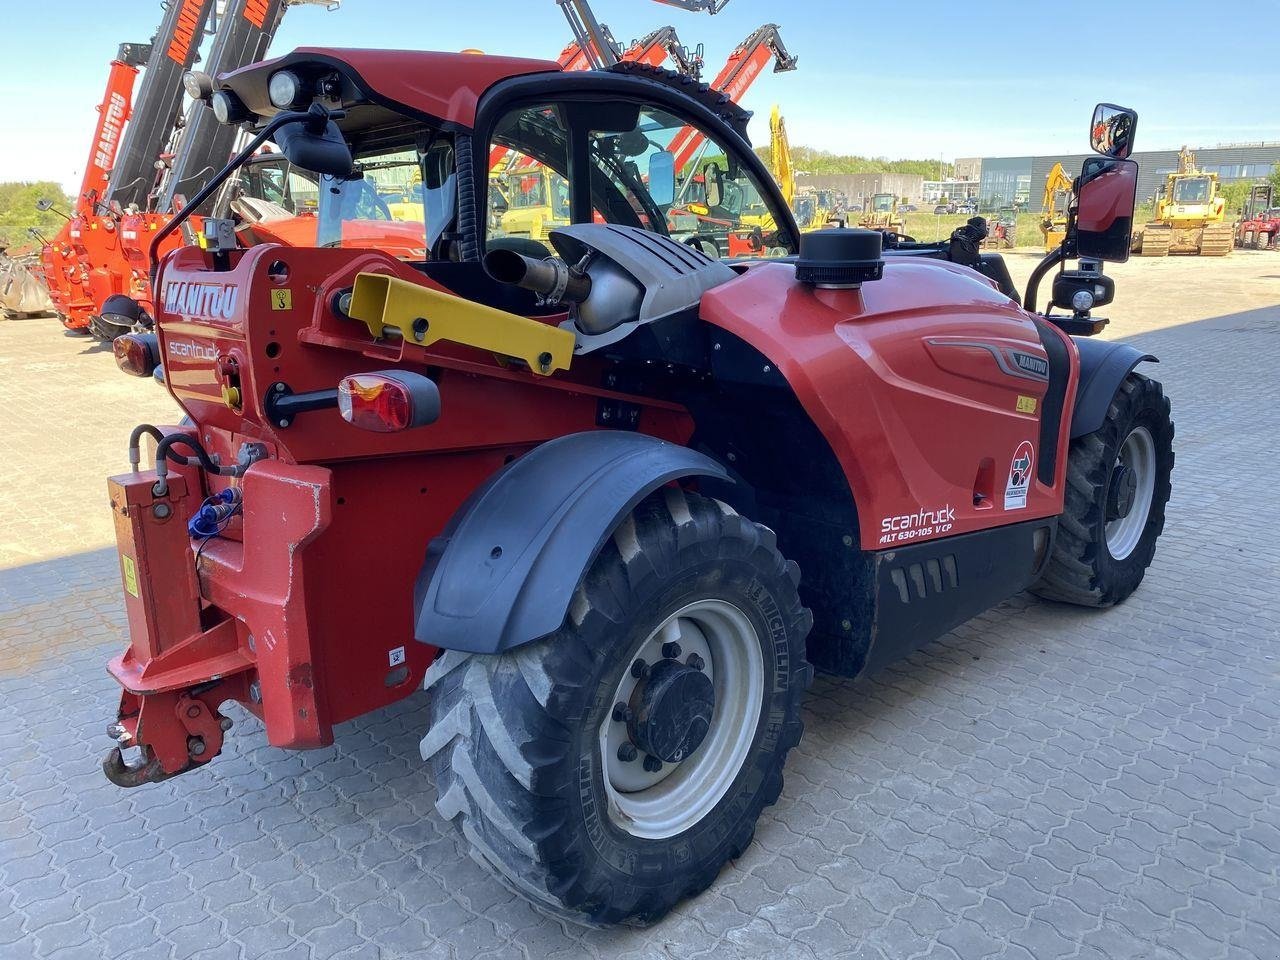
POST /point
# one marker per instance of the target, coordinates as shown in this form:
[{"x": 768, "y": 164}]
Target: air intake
[{"x": 840, "y": 258}]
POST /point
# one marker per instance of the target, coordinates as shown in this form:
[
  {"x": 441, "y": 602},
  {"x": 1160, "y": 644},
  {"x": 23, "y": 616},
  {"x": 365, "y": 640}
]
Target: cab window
[{"x": 646, "y": 167}]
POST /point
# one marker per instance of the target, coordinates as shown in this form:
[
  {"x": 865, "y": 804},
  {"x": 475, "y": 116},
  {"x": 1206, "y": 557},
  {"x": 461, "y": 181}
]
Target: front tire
[
  {"x": 610, "y": 770},
  {"x": 1118, "y": 483}
]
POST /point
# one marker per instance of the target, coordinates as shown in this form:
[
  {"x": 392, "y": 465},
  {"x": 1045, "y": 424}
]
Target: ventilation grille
[{"x": 916, "y": 581}]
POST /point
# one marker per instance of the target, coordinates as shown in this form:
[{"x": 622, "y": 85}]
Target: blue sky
[{"x": 917, "y": 79}]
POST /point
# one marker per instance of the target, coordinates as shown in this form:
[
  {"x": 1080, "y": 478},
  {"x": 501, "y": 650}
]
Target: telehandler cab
[{"x": 609, "y": 500}]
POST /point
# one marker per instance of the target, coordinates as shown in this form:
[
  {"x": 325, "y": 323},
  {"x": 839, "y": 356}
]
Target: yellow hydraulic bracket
[{"x": 422, "y": 315}]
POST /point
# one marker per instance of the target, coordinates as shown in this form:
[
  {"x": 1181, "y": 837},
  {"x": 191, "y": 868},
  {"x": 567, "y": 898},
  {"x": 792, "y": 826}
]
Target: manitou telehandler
[{"x": 610, "y": 504}]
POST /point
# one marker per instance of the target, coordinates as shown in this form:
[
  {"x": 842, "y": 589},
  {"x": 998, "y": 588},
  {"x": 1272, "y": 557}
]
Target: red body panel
[
  {"x": 444, "y": 85},
  {"x": 903, "y": 378}
]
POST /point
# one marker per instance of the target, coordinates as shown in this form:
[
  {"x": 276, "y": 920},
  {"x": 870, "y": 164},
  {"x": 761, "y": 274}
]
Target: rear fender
[
  {"x": 503, "y": 571},
  {"x": 1103, "y": 367}
]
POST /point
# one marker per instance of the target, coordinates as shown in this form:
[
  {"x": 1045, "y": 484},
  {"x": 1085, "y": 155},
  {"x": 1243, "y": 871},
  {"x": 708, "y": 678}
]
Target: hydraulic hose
[
  {"x": 135, "y": 442},
  {"x": 164, "y": 453}
]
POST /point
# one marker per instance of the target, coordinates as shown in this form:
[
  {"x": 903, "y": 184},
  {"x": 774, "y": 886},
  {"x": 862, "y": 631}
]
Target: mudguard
[
  {"x": 505, "y": 567},
  {"x": 1103, "y": 366}
]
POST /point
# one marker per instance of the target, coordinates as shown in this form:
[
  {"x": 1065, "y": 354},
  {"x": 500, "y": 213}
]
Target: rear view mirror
[
  {"x": 1104, "y": 214},
  {"x": 1112, "y": 129},
  {"x": 43, "y": 204},
  {"x": 662, "y": 178},
  {"x": 714, "y": 180},
  {"x": 325, "y": 153}
]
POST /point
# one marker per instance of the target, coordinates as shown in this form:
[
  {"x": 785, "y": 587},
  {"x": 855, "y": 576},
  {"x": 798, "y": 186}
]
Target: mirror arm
[
  {"x": 316, "y": 114},
  {"x": 1033, "y": 282}
]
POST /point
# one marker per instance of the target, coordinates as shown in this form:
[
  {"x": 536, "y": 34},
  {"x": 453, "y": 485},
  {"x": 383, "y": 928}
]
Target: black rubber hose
[{"x": 164, "y": 451}]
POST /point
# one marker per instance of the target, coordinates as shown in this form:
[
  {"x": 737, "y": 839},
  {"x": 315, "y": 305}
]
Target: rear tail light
[
  {"x": 137, "y": 354},
  {"x": 388, "y": 401}
]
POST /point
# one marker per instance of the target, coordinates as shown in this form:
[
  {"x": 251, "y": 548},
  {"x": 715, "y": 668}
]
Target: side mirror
[
  {"x": 1105, "y": 202},
  {"x": 1111, "y": 132},
  {"x": 662, "y": 178},
  {"x": 324, "y": 152},
  {"x": 43, "y": 204},
  {"x": 713, "y": 177}
]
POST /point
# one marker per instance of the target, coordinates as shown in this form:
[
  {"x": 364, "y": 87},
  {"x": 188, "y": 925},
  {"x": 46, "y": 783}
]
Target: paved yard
[{"x": 1044, "y": 782}]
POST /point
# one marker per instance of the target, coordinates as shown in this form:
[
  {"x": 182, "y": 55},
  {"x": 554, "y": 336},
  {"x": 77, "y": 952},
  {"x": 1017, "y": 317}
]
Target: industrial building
[
  {"x": 1005, "y": 180},
  {"x": 861, "y": 187}
]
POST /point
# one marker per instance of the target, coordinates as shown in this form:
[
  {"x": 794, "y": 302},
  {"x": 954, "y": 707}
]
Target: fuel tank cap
[{"x": 840, "y": 258}]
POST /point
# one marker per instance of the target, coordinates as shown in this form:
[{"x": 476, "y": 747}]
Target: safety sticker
[
  {"x": 395, "y": 657},
  {"x": 282, "y": 299},
  {"x": 1015, "y": 491},
  {"x": 1026, "y": 404},
  {"x": 130, "y": 573}
]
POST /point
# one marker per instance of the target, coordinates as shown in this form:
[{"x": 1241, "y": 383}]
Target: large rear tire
[
  {"x": 1118, "y": 483},
  {"x": 684, "y": 644}
]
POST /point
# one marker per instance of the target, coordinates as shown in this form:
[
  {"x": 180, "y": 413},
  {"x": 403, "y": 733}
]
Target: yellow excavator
[
  {"x": 1053, "y": 210},
  {"x": 1190, "y": 215},
  {"x": 755, "y": 214}
]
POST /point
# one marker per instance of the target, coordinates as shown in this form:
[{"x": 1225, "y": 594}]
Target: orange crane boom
[{"x": 744, "y": 65}]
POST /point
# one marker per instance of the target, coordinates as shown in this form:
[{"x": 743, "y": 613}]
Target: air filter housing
[{"x": 840, "y": 258}]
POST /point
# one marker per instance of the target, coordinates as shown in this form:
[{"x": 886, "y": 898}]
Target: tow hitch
[{"x": 204, "y": 727}]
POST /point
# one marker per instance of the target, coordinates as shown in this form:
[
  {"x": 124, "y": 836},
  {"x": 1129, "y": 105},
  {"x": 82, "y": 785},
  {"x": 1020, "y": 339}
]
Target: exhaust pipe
[{"x": 552, "y": 279}]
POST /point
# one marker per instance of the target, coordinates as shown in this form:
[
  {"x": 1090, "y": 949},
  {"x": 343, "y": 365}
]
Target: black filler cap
[{"x": 839, "y": 257}]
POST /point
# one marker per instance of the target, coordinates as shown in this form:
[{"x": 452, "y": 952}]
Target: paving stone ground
[{"x": 1042, "y": 783}]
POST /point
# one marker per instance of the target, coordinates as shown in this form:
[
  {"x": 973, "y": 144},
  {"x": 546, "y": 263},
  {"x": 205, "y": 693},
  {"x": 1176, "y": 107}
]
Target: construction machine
[
  {"x": 604, "y": 510},
  {"x": 145, "y": 156},
  {"x": 882, "y": 214},
  {"x": 1054, "y": 208},
  {"x": 1260, "y": 220},
  {"x": 1190, "y": 215}
]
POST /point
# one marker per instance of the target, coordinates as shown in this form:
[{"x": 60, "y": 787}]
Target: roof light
[
  {"x": 227, "y": 107},
  {"x": 137, "y": 354},
  {"x": 198, "y": 84},
  {"x": 284, "y": 88},
  {"x": 388, "y": 401}
]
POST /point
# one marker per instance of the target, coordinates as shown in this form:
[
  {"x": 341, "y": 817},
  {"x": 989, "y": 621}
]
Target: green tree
[
  {"x": 1275, "y": 183},
  {"x": 18, "y": 211}
]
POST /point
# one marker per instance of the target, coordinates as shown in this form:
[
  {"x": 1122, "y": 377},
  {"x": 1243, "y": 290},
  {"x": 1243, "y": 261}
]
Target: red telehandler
[
  {"x": 612, "y": 507},
  {"x": 144, "y": 157}
]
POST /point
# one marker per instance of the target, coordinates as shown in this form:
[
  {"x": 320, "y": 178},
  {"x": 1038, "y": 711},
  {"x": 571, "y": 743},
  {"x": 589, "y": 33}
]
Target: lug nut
[
  {"x": 621, "y": 713},
  {"x": 671, "y": 651},
  {"x": 639, "y": 669},
  {"x": 627, "y": 752},
  {"x": 651, "y": 763},
  {"x": 696, "y": 661}
]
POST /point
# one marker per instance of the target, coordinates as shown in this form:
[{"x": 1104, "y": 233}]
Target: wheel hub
[
  {"x": 671, "y": 711},
  {"x": 1121, "y": 492}
]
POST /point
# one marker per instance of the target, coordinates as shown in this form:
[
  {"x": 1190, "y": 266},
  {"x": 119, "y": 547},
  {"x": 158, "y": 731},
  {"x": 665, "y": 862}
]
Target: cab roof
[{"x": 446, "y": 86}]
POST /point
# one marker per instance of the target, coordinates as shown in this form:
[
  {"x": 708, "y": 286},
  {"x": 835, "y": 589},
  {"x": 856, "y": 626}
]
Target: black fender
[
  {"x": 504, "y": 569},
  {"x": 1103, "y": 367}
]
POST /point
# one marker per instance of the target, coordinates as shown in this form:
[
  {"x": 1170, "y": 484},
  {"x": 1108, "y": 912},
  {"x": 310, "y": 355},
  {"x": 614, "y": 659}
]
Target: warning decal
[
  {"x": 282, "y": 299},
  {"x": 130, "y": 574},
  {"x": 1015, "y": 490}
]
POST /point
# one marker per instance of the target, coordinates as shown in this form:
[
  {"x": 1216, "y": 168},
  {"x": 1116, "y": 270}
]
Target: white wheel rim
[
  {"x": 1138, "y": 453},
  {"x": 674, "y": 799}
]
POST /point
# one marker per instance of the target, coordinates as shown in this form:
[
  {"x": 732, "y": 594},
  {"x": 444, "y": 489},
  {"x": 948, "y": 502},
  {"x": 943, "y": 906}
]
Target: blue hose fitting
[{"x": 213, "y": 513}]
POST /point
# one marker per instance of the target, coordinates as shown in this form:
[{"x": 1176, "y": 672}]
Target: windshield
[
  {"x": 645, "y": 167},
  {"x": 1192, "y": 190},
  {"x": 882, "y": 203},
  {"x": 400, "y": 200}
]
